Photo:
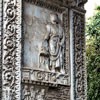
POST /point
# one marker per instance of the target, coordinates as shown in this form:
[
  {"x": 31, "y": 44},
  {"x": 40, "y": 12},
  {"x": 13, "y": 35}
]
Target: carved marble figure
[
  {"x": 40, "y": 94},
  {"x": 26, "y": 93},
  {"x": 32, "y": 89},
  {"x": 54, "y": 44},
  {"x": 44, "y": 55}
]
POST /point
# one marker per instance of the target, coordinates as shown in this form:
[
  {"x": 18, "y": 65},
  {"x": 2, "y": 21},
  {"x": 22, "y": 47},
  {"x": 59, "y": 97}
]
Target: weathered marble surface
[
  {"x": 35, "y": 21},
  {"x": 35, "y": 92}
]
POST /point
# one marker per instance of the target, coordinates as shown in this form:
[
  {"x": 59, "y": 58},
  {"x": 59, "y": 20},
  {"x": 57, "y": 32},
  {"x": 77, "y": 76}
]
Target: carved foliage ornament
[
  {"x": 79, "y": 56},
  {"x": 11, "y": 49}
]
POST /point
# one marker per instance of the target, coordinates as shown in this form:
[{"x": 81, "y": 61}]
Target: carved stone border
[
  {"x": 60, "y": 3},
  {"x": 67, "y": 42},
  {"x": 55, "y": 6},
  {"x": 11, "y": 60},
  {"x": 0, "y": 49},
  {"x": 79, "y": 56}
]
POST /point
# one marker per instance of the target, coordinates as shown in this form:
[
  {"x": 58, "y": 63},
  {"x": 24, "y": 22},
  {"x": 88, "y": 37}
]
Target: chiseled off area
[{"x": 35, "y": 21}]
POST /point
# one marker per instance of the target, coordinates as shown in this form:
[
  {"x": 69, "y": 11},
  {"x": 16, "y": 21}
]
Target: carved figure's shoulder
[{"x": 48, "y": 27}]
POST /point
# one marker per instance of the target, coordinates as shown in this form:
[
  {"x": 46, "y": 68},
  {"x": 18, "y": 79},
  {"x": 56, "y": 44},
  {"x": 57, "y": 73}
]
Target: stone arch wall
[{"x": 14, "y": 85}]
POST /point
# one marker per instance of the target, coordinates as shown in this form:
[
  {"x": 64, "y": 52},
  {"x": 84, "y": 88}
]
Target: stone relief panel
[
  {"x": 36, "y": 92},
  {"x": 36, "y": 20},
  {"x": 79, "y": 45},
  {"x": 45, "y": 45},
  {"x": 31, "y": 92},
  {"x": 59, "y": 93}
]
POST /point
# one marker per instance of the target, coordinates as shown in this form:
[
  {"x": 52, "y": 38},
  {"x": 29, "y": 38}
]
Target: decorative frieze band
[
  {"x": 50, "y": 78},
  {"x": 59, "y": 5}
]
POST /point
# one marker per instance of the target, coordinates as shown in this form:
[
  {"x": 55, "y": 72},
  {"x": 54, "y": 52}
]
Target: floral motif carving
[
  {"x": 11, "y": 50},
  {"x": 79, "y": 46}
]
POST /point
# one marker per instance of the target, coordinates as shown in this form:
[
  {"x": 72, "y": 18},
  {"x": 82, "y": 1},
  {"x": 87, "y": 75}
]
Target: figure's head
[{"x": 54, "y": 18}]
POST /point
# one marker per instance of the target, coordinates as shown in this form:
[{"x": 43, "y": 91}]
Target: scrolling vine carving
[
  {"x": 79, "y": 42},
  {"x": 11, "y": 50}
]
